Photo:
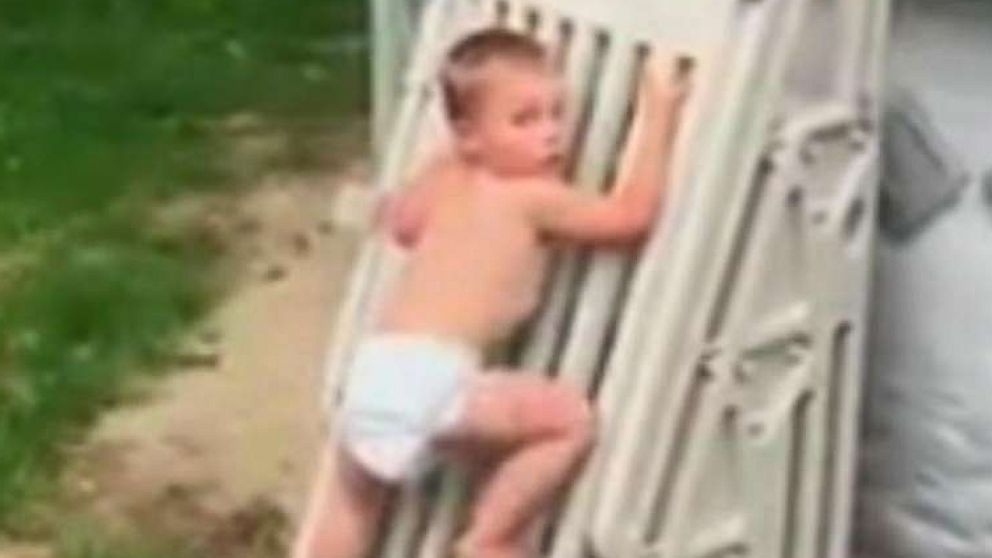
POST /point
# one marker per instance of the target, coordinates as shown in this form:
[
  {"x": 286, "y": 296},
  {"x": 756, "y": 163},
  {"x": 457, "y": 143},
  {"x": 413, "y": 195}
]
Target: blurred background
[{"x": 167, "y": 270}]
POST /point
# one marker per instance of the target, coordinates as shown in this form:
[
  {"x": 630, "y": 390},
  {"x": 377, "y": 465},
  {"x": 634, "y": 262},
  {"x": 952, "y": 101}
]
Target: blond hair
[{"x": 466, "y": 63}]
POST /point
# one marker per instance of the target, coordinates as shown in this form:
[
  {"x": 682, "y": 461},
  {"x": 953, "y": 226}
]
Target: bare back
[{"x": 477, "y": 269}]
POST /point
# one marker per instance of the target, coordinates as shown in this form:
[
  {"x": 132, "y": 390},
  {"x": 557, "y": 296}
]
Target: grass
[
  {"x": 253, "y": 535},
  {"x": 90, "y": 540},
  {"x": 108, "y": 109}
]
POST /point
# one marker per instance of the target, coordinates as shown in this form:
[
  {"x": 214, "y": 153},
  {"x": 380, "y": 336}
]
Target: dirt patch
[
  {"x": 224, "y": 451},
  {"x": 25, "y": 551}
]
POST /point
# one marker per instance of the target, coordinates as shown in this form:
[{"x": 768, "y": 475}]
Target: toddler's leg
[
  {"x": 343, "y": 513},
  {"x": 541, "y": 431}
]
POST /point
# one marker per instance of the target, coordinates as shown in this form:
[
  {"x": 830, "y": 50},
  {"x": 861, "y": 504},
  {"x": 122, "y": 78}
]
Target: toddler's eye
[{"x": 524, "y": 117}]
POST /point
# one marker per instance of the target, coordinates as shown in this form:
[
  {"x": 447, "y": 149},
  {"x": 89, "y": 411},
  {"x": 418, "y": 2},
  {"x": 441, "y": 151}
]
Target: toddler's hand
[{"x": 665, "y": 80}]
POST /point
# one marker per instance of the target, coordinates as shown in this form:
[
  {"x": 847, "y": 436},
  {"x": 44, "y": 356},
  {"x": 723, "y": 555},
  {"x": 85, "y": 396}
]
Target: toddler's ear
[{"x": 461, "y": 127}]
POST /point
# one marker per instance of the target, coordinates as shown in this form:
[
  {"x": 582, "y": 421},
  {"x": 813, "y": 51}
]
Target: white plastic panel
[
  {"x": 750, "y": 395},
  {"x": 725, "y": 357}
]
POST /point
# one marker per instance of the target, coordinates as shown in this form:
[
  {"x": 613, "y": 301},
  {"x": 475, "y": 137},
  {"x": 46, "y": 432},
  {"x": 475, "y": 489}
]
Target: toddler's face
[{"x": 515, "y": 129}]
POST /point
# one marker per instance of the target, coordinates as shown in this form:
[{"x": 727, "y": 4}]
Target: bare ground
[{"x": 223, "y": 451}]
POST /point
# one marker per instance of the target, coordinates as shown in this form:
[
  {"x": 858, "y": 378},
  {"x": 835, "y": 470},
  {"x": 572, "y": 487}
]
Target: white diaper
[{"x": 402, "y": 392}]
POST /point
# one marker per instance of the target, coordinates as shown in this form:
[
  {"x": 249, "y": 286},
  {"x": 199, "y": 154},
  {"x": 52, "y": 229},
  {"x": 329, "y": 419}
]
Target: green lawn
[
  {"x": 108, "y": 109},
  {"x": 83, "y": 540}
]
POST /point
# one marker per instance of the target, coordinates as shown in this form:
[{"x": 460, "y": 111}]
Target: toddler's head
[{"x": 503, "y": 98}]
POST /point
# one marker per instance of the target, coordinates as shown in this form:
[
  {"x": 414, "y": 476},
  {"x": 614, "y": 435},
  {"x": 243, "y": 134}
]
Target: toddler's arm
[
  {"x": 628, "y": 213},
  {"x": 403, "y": 214}
]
